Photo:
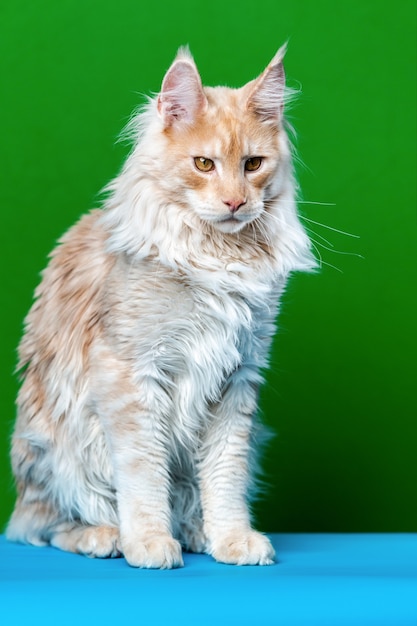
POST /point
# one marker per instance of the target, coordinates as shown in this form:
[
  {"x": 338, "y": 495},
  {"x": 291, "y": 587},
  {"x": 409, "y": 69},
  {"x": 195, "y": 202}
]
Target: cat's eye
[
  {"x": 203, "y": 164},
  {"x": 253, "y": 164}
]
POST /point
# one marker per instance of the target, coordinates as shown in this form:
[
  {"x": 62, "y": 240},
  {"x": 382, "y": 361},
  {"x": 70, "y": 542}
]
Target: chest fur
[{"x": 189, "y": 338}]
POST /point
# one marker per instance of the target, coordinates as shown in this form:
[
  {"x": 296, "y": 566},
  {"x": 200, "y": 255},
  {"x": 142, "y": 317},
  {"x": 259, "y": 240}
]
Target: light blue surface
[{"x": 320, "y": 580}]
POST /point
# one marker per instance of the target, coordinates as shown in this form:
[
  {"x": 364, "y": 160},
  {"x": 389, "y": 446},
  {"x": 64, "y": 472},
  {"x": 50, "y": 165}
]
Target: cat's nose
[{"x": 234, "y": 205}]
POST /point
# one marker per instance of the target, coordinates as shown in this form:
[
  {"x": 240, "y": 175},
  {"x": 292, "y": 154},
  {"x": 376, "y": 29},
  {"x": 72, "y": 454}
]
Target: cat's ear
[
  {"x": 182, "y": 97},
  {"x": 266, "y": 97}
]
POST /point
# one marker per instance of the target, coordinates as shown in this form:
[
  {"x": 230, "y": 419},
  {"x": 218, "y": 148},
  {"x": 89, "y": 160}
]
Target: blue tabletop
[{"x": 322, "y": 580}]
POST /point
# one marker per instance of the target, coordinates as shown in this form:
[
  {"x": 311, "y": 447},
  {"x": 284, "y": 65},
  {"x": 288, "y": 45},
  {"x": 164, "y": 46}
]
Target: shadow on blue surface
[{"x": 322, "y": 580}]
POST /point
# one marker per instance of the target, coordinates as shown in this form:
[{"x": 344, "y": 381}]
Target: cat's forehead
[{"x": 228, "y": 129}]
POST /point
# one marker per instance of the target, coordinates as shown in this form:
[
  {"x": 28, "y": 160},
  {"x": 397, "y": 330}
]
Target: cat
[{"x": 141, "y": 360}]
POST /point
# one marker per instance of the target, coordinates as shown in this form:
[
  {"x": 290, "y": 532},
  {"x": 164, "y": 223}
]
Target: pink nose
[{"x": 234, "y": 205}]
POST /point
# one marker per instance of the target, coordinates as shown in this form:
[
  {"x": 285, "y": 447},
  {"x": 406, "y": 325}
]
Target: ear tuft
[
  {"x": 182, "y": 97},
  {"x": 267, "y": 96}
]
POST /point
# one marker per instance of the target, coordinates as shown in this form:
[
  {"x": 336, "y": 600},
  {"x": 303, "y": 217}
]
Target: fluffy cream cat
[{"x": 136, "y": 427}]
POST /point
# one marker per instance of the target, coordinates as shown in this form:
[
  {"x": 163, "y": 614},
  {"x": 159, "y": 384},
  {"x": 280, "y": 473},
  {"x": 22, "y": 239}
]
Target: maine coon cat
[{"x": 136, "y": 431}]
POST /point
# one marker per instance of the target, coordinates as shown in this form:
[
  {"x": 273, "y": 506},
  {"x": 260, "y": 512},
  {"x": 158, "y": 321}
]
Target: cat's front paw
[
  {"x": 157, "y": 552},
  {"x": 243, "y": 547}
]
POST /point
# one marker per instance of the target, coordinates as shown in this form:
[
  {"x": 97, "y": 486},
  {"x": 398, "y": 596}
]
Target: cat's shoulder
[
  {"x": 86, "y": 232},
  {"x": 80, "y": 256}
]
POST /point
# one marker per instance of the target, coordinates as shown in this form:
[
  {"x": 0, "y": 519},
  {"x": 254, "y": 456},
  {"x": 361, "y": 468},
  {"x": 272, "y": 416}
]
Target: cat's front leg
[
  {"x": 132, "y": 416},
  {"x": 225, "y": 477}
]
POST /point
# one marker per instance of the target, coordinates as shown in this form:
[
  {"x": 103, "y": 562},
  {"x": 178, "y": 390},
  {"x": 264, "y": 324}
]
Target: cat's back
[{"x": 66, "y": 312}]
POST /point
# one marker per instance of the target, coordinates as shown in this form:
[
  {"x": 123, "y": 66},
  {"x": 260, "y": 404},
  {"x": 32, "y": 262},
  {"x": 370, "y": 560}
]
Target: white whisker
[
  {"x": 327, "y": 245},
  {"x": 336, "y": 230},
  {"x": 252, "y": 225},
  {"x": 262, "y": 227},
  {"x": 320, "y": 203},
  {"x": 310, "y": 230},
  {"x": 321, "y": 262},
  {"x": 332, "y": 249}
]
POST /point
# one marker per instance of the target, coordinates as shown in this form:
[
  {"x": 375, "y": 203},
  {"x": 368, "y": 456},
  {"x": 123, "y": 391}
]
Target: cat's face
[
  {"x": 226, "y": 161},
  {"x": 223, "y": 145}
]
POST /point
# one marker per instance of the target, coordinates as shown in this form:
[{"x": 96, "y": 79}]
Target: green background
[{"x": 341, "y": 391}]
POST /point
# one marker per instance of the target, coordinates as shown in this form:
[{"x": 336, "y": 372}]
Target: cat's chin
[{"x": 230, "y": 226}]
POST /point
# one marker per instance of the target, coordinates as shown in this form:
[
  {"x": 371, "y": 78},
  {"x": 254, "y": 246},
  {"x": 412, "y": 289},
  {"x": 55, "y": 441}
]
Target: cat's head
[
  {"x": 222, "y": 149},
  {"x": 210, "y": 178}
]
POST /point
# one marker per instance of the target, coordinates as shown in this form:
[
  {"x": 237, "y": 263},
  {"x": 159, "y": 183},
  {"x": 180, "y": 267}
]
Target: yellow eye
[
  {"x": 203, "y": 164},
  {"x": 252, "y": 164}
]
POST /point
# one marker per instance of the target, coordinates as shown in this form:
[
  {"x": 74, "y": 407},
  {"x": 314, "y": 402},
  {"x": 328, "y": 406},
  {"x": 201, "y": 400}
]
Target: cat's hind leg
[
  {"x": 93, "y": 541},
  {"x": 34, "y": 518},
  {"x": 38, "y": 523}
]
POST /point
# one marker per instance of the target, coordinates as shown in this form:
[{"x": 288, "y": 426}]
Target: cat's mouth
[{"x": 230, "y": 222}]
